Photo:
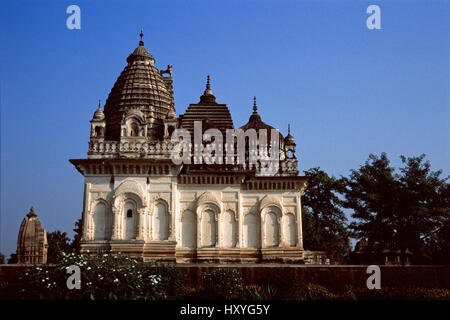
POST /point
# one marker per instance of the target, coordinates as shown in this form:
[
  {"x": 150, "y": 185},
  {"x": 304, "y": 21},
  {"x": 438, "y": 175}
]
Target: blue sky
[{"x": 347, "y": 91}]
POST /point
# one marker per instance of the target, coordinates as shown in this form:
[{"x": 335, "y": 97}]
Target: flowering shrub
[{"x": 104, "y": 276}]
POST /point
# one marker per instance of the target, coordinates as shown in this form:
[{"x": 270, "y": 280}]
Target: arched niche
[
  {"x": 100, "y": 219},
  {"x": 228, "y": 229},
  {"x": 130, "y": 218},
  {"x": 128, "y": 207},
  {"x": 289, "y": 230},
  {"x": 207, "y": 224},
  {"x": 251, "y": 231},
  {"x": 127, "y": 189},
  {"x": 271, "y": 232},
  {"x": 160, "y": 221},
  {"x": 188, "y": 230}
]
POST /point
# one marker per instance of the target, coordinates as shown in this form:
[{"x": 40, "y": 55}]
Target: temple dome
[
  {"x": 255, "y": 122},
  {"x": 99, "y": 115},
  {"x": 140, "y": 86},
  {"x": 209, "y": 112},
  {"x": 289, "y": 139}
]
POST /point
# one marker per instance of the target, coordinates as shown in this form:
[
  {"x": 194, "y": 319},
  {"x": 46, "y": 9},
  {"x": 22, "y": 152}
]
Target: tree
[
  {"x": 324, "y": 223},
  {"x": 12, "y": 258},
  {"x": 77, "y": 237},
  {"x": 402, "y": 210},
  {"x": 58, "y": 242},
  {"x": 2, "y": 258}
]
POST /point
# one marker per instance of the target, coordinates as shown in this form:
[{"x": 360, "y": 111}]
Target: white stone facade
[{"x": 159, "y": 218}]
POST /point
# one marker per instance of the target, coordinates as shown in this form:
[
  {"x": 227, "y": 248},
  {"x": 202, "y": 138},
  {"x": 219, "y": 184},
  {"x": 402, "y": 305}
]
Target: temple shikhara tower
[
  {"x": 32, "y": 241},
  {"x": 139, "y": 202}
]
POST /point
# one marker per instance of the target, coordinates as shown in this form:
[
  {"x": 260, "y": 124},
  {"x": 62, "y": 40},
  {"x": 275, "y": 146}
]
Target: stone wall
[
  {"x": 331, "y": 276},
  {"x": 335, "y": 276}
]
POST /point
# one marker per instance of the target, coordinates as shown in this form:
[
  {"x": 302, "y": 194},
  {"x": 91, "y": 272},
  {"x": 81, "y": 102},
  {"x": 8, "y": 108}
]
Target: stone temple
[
  {"x": 139, "y": 202},
  {"x": 32, "y": 241}
]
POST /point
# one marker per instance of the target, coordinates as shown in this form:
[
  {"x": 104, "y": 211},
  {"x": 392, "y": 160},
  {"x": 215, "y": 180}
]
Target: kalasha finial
[
  {"x": 141, "y": 43},
  {"x": 99, "y": 103},
  {"x": 255, "y": 107},
  {"x": 31, "y": 214},
  {"x": 289, "y": 128},
  {"x": 208, "y": 90}
]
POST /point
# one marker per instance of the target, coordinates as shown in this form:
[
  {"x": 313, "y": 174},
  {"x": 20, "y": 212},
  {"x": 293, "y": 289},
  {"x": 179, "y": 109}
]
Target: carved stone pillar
[
  {"x": 115, "y": 224},
  {"x": 299, "y": 222},
  {"x": 216, "y": 227},
  {"x": 141, "y": 224},
  {"x": 279, "y": 220},
  {"x": 89, "y": 222}
]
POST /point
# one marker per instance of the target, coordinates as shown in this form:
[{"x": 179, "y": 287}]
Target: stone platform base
[{"x": 166, "y": 251}]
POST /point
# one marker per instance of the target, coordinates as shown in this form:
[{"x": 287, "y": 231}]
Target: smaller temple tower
[{"x": 32, "y": 241}]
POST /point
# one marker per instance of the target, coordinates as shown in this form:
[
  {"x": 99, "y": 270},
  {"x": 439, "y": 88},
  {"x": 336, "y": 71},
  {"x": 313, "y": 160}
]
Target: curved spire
[{"x": 255, "y": 107}]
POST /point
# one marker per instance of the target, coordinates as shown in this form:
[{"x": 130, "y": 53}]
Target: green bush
[
  {"x": 285, "y": 286},
  {"x": 172, "y": 280},
  {"x": 257, "y": 292},
  {"x": 222, "y": 283},
  {"x": 313, "y": 291},
  {"x": 103, "y": 276}
]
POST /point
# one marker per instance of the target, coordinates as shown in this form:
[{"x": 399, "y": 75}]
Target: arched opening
[
  {"x": 170, "y": 130},
  {"x": 134, "y": 130},
  {"x": 129, "y": 220},
  {"x": 271, "y": 230},
  {"x": 98, "y": 131},
  {"x": 229, "y": 230},
  {"x": 100, "y": 221},
  {"x": 208, "y": 229},
  {"x": 290, "y": 230},
  {"x": 160, "y": 222},
  {"x": 188, "y": 230},
  {"x": 251, "y": 231}
]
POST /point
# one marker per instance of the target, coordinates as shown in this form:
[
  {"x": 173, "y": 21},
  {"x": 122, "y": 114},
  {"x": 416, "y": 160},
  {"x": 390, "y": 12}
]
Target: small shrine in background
[{"x": 32, "y": 241}]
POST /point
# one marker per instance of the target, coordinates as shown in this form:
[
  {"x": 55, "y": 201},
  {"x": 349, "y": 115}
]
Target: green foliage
[
  {"x": 103, "y": 277},
  {"x": 286, "y": 285},
  {"x": 172, "y": 280},
  {"x": 257, "y": 292},
  {"x": 222, "y": 283},
  {"x": 313, "y": 291},
  {"x": 403, "y": 210},
  {"x": 324, "y": 222},
  {"x": 2, "y": 258},
  {"x": 58, "y": 244},
  {"x": 77, "y": 237},
  {"x": 12, "y": 258}
]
